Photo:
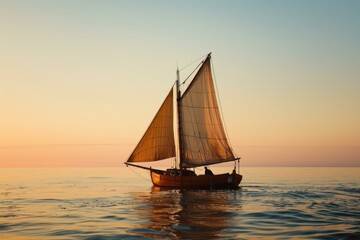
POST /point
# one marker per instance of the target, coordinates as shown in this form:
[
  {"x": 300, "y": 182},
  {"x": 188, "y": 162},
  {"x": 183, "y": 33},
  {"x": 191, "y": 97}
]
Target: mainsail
[
  {"x": 158, "y": 140},
  {"x": 203, "y": 138}
]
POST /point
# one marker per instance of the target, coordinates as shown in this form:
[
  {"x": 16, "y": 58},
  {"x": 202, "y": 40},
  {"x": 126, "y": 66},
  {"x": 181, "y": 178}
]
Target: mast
[{"x": 178, "y": 97}]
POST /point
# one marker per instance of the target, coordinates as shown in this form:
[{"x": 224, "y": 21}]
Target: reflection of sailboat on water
[
  {"x": 185, "y": 214},
  {"x": 199, "y": 137}
]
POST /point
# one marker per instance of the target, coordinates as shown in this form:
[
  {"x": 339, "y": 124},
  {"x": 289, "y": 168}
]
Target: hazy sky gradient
[{"x": 80, "y": 81}]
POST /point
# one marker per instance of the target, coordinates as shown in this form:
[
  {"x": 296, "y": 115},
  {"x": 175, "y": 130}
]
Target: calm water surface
[{"x": 272, "y": 203}]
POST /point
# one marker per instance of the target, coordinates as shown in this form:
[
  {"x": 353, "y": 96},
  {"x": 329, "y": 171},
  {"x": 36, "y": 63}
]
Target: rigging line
[
  {"x": 139, "y": 174},
  {"x": 220, "y": 107},
  {"x": 192, "y": 62},
  {"x": 192, "y": 72}
]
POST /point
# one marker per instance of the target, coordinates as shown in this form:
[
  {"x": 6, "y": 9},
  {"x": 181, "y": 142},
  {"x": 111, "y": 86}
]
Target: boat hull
[{"x": 219, "y": 181}]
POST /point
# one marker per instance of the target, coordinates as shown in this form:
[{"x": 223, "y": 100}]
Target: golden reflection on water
[{"x": 186, "y": 214}]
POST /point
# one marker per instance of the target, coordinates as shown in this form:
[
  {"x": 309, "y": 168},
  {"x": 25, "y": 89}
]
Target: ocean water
[{"x": 117, "y": 203}]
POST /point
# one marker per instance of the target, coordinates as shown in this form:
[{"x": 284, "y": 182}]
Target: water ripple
[{"x": 102, "y": 208}]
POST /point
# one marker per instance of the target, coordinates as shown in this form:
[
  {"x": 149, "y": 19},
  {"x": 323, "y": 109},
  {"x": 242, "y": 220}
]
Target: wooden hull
[{"x": 220, "y": 181}]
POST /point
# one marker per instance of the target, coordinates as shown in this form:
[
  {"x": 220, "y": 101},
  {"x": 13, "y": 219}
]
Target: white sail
[
  {"x": 158, "y": 140},
  {"x": 203, "y": 139}
]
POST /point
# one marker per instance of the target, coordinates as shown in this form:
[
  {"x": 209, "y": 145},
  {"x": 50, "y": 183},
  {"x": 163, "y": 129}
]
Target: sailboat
[{"x": 188, "y": 128}]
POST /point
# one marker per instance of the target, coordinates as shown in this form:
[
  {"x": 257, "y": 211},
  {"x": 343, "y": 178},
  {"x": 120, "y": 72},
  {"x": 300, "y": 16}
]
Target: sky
[{"x": 80, "y": 81}]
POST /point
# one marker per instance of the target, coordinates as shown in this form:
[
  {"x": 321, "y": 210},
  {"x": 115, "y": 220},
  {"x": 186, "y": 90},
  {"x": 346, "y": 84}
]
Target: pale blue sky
[{"x": 79, "y": 72}]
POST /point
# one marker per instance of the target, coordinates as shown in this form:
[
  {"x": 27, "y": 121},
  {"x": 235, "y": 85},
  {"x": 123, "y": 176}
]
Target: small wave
[
  {"x": 8, "y": 215},
  {"x": 4, "y": 227},
  {"x": 67, "y": 232},
  {"x": 304, "y": 194},
  {"x": 112, "y": 217}
]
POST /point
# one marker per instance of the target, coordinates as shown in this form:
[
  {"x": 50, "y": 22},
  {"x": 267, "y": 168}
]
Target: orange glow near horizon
[{"x": 115, "y": 155}]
